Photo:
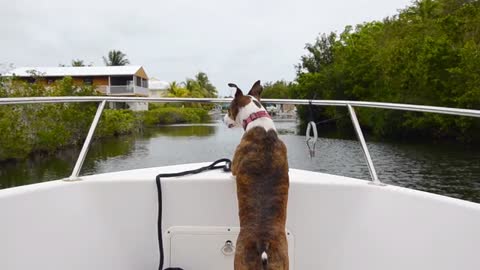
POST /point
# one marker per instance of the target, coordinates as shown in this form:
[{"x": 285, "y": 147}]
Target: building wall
[
  {"x": 100, "y": 80},
  {"x": 141, "y": 73},
  {"x": 157, "y": 93},
  {"x": 77, "y": 81}
]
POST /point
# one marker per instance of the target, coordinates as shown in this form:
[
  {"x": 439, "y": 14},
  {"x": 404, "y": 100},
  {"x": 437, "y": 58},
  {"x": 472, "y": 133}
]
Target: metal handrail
[
  {"x": 363, "y": 143},
  {"x": 86, "y": 144},
  {"x": 347, "y": 103},
  {"x": 367, "y": 104}
]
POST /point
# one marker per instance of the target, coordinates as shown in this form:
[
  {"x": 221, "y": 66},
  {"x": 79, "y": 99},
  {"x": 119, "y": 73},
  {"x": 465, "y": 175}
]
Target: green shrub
[
  {"x": 171, "y": 115},
  {"x": 42, "y": 127},
  {"x": 29, "y": 128},
  {"x": 14, "y": 142},
  {"x": 116, "y": 122}
]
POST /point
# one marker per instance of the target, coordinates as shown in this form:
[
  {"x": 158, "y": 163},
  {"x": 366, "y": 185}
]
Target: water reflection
[
  {"x": 111, "y": 147},
  {"x": 36, "y": 169},
  {"x": 204, "y": 130},
  {"x": 444, "y": 169},
  {"x": 447, "y": 169},
  {"x": 41, "y": 167}
]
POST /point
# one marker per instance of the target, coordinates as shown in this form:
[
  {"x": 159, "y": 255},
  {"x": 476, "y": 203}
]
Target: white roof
[
  {"x": 74, "y": 71},
  {"x": 155, "y": 84}
]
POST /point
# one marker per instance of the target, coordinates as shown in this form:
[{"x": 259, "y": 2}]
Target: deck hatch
[{"x": 202, "y": 247}]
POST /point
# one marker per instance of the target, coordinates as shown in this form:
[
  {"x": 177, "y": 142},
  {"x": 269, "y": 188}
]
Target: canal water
[{"x": 447, "y": 169}]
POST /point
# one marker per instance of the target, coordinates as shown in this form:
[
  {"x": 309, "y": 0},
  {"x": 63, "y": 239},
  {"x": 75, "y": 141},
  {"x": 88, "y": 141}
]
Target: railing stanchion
[
  {"x": 358, "y": 130},
  {"x": 86, "y": 144}
]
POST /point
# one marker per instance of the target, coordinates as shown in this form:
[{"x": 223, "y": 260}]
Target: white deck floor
[{"x": 108, "y": 221}]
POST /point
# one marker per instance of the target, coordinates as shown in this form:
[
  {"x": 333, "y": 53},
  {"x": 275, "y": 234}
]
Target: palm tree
[
  {"x": 175, "y": 90},
  {"x": 116, "y": 58},
  {"x": 77, "y": 63},
  {"x": 204, "y": 83},
  {"x": 195, "y": 89}
]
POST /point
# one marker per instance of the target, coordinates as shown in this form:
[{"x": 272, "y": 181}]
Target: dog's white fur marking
[
  {"x": 245, "y": 112},
  {"x": 264, "y": 257},
  {"x": 229, "y": 121}
]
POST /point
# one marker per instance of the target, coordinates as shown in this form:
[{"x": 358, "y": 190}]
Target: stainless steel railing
[
  {"x": 380, "y": 105},
  {"x": 345, "y": 103}
]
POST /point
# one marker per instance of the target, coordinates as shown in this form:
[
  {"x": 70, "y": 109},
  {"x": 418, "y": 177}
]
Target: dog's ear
[
  {"x": 239, "y": 92},
  {"x": 256, "y": 90}
]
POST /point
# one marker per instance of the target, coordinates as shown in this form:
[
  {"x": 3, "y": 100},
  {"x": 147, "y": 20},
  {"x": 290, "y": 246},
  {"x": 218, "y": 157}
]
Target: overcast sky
[{"x": 232, "y": 41}]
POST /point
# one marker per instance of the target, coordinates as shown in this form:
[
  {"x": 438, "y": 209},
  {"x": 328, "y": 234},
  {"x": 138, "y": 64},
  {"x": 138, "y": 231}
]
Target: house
[
  {"x": 157, "y": 88},
  {"x": 109, "y": 80}
]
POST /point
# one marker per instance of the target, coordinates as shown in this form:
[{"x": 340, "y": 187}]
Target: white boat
[{"x": 109, "y": 221}]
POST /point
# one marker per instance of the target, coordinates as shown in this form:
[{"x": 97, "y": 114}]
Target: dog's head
[{"x": 242, "y": 104}]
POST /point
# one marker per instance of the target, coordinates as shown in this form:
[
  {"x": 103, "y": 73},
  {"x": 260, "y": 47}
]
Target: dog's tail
[
  {"x": 263, "y": 248},
  {"x": 264, "y": 260}
]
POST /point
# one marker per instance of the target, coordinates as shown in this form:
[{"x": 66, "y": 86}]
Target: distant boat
[{"x": 217, "y": 109}]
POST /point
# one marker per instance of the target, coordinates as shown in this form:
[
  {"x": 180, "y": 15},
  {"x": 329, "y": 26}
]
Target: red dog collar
[{"x": 254, "y": 116}]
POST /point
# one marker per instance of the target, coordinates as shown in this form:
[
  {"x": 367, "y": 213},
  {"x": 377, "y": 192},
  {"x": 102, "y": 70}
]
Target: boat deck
[{"x": 108, "y": 221}]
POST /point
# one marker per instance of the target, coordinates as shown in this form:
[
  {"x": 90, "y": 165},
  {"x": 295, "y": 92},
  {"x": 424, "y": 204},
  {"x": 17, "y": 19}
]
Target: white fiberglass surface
[{"x": 109, "y": 222}]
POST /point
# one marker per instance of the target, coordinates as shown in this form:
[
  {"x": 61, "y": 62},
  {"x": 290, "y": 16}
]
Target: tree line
[{"x": 427, "y": 54}]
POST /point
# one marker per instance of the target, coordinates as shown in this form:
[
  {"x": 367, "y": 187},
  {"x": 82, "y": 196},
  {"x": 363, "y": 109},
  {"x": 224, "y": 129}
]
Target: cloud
[{"x": 239, "y": 41}]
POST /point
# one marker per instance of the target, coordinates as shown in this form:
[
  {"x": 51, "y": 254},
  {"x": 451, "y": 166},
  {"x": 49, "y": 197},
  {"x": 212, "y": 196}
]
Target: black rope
[
  {"x": 310, "y": 111},
  {"x": 213, "y": 166},
  {"x": 330, "y": 120}
]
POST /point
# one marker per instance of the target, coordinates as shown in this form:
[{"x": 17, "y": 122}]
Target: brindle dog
[{"x": 261, "y": 169}]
